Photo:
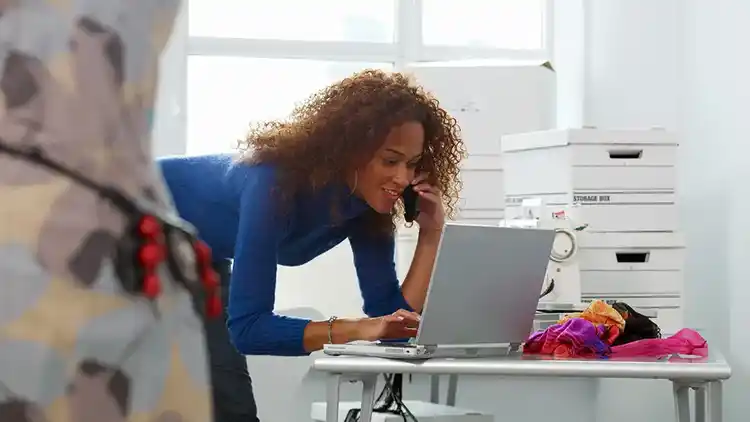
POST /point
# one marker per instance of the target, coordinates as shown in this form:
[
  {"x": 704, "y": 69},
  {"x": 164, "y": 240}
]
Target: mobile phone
[{"x": 411, "y": 204}]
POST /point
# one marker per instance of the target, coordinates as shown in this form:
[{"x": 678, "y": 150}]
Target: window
[
  {"x": 251, "y": 60},
  {"x": 226, "y": 94},
  {"x": 511, "y": 24},
  {"x": 318, "y": 20}
]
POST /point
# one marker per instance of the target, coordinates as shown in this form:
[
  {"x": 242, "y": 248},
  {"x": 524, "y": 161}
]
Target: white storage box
[
  {"x": 644, "y": 270},
  {"x": 481, "y": 217},
  {"x": 631, "y": 263},
  {"x": 581, "y": 161},
  {"x": 423, "y": 411},
  {"x": 482, "y": 190},
  {"x": 618, "y": 282},
  {"x": 612, "y": 211},
  {"x": 482, "y": 199}
]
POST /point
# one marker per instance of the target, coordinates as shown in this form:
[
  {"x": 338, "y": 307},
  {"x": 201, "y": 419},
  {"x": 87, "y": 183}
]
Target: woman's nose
[{"x": 404, "y": 176}]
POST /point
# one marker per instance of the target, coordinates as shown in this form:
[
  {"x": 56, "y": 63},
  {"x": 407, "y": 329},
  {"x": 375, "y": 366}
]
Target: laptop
[{"x": 482, "y": 297}]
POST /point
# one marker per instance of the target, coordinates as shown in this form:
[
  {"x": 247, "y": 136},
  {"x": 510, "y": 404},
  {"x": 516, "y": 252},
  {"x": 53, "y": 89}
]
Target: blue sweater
[{"x": 230, "y": 204}]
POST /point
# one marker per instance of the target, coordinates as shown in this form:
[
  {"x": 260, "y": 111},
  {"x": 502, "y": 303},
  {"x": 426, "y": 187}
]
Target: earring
[{"x": 356, "y": 179}]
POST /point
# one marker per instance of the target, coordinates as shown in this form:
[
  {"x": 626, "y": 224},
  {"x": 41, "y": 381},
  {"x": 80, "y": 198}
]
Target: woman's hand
[
  {"x": 400, "y": 324},
  {"x": 431, "y": 213}
]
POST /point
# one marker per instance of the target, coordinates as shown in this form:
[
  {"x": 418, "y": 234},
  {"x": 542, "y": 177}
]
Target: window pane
[
  {"x": 226, "y": 94},
  {"x": 309, "y": 20},
  {"x": 516, "y": 24}
]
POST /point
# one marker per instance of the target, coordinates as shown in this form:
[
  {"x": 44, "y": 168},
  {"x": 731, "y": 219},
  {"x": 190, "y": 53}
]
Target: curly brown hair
[{"x": 339, "y": 128}]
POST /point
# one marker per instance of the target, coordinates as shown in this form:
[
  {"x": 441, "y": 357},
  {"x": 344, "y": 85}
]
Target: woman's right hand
[{"x": 398, "y": 325}]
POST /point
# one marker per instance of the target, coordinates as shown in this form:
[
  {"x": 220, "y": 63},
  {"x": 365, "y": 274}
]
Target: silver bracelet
[{"x": 330, "y": 329}]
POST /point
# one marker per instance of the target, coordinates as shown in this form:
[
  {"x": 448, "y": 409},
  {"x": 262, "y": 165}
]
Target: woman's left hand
[{"x": 431, "y": 213}]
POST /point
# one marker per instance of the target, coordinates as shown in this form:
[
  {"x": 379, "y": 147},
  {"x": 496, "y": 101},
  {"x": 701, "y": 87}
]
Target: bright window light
[
  {"x": 234, "y": 82},
  {"x": 511, "y": 24},
  {"x": 308, "y": 20},
  {"x": 226, "y": 94}
]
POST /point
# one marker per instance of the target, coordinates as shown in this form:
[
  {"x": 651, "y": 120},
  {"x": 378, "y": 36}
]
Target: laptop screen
[{"x": 485, "y": 285}]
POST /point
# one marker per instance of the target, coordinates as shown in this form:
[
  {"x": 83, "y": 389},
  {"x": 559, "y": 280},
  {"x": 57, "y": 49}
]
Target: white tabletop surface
[{"x": 712, "y": 368}]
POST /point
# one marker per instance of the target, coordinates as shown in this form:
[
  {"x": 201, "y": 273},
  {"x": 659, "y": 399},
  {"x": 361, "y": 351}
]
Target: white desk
[{"x": 703, "y": 375}]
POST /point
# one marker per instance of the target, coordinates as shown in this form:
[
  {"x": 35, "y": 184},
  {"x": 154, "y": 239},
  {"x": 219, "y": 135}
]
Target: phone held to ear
[{"x": 411, "y": 204}]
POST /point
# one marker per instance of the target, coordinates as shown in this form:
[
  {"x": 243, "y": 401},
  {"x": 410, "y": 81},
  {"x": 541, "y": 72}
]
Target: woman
[{"x": 334, "y": 170}]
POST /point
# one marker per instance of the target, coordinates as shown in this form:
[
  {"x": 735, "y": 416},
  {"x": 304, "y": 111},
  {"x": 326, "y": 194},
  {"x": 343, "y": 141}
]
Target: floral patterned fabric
[{"x": 78, "y": 80}]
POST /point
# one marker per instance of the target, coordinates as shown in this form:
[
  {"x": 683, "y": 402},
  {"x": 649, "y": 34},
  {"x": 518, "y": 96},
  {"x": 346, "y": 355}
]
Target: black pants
[{"x": 232, "y": 388}]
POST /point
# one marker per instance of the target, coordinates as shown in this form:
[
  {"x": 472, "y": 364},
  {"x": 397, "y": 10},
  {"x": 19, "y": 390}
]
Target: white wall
[
  {"x": 632, "y": 63},
  {"x": 679, "y": 64},
  {"x": 715, "y": 120},
  {"x": 569, "y": 59}
]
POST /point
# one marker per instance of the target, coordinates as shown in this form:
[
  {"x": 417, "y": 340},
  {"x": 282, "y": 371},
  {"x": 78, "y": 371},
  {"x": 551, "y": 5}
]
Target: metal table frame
[{"x": 703, "y": 377}]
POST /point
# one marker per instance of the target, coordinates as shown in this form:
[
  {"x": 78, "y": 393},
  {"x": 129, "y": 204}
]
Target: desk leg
[
  {"x": 700, "y": 403},
  {"x": 450, "y": 400},
  {"x": 681, "y": 402},
  {"x": 333, "y": 386},
  {"x": 715, "y": 401},
  {"x": 435, "y": 389},
  {"x": 369, "y": 383}
]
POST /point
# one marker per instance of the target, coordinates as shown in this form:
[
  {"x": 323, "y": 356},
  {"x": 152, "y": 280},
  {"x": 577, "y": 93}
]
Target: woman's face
[{"x": 392, "y": 168}]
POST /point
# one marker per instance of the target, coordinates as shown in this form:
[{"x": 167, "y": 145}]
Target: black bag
[{"x": 637, "y": 325}]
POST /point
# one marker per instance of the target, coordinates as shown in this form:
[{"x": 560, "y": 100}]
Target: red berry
[
  {"x": 210, "y": 279},
  {"x": 151, "y": 286},
  {"x": 150, "y": 255},
  {"x": 213, "y": 306},
  {"x": 149, "y": 226},
  {"x": 202, "y": 252}
]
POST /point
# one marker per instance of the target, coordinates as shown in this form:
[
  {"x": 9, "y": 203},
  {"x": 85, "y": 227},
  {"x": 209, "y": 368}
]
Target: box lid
[{"x": 586, "y": 135}]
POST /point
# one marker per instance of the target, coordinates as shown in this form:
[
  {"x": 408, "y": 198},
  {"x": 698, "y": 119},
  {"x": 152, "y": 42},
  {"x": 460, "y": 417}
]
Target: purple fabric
[{"x": 575, "y": 337}]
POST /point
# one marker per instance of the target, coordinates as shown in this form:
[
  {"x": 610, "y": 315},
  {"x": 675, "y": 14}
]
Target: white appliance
[{"x": 562, "y": 282}]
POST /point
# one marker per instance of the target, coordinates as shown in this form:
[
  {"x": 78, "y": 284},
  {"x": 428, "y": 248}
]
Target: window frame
[{"x": 170, "y": 131}]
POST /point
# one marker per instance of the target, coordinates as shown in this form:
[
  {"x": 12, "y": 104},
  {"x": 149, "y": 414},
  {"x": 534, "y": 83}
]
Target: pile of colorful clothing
[{"x": 616, "y": 330}]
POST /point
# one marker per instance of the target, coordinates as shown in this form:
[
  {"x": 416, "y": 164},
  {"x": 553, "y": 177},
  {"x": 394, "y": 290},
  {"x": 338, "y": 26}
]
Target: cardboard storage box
[
  {"x": 612, "y": 211},
  {"x": 580, "y": 162}
]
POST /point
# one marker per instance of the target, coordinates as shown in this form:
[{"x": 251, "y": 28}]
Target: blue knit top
[{"x": 232, "y": 207}]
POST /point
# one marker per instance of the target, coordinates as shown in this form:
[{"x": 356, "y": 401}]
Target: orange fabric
[{"x": 598, "y": 313}]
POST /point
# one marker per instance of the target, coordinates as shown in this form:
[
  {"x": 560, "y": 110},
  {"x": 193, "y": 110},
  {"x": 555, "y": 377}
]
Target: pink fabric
[{"x": 684, "y": 342}]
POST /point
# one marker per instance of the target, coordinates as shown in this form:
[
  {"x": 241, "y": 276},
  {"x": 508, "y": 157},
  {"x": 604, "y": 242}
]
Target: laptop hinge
[
  {"x": 514, "y": 348},
  {"x": 429, "y": 347}
]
